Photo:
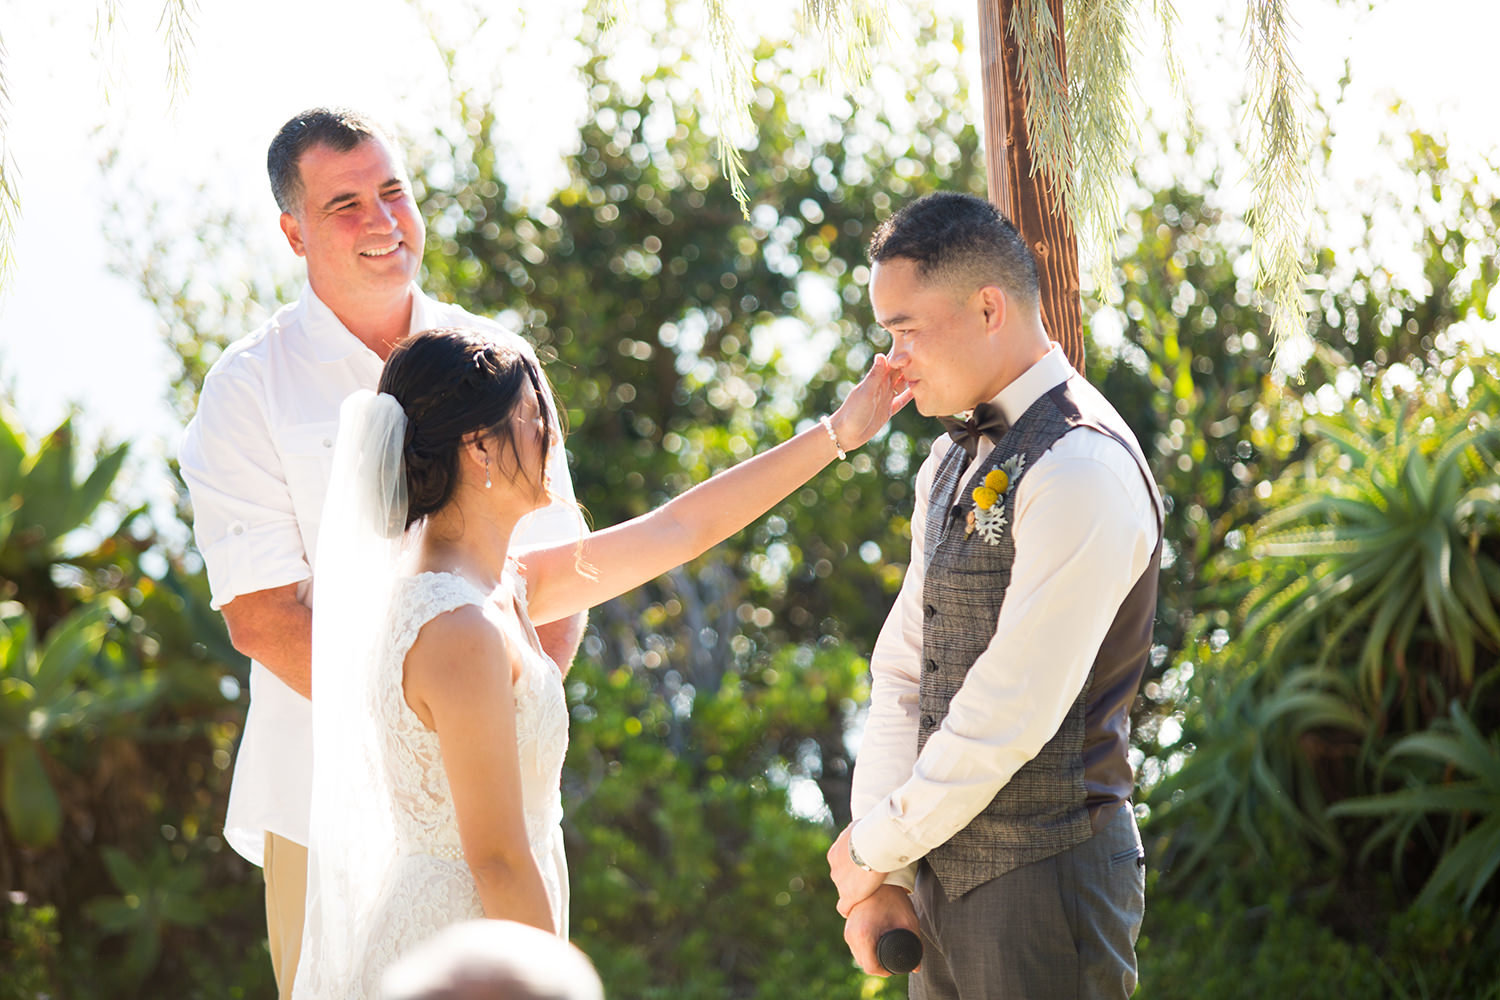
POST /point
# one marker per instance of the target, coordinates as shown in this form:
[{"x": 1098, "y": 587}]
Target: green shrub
[
  {"x": 1232, "y": 951},
  {"x": 1295, "y": 947},
  {"x": 29, "y": 950}
]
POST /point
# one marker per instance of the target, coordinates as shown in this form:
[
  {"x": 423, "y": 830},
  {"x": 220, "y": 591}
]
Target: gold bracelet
[{"x": 828, "y": 426}]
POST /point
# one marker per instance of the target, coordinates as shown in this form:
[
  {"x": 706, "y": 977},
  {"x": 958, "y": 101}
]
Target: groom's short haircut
[
  {"x": 339, "y": 129},
  {"x": 492, "y": 960},
  {"x": 960, "y": 241}
]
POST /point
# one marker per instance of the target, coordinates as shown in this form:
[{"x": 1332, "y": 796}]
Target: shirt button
[
  {"x": 328, "y": 442},
  {"x": 237, "y": 528}
]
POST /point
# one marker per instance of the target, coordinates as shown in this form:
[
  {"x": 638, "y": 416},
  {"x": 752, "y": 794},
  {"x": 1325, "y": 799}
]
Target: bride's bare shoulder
[{"x": 458, "y": 654}]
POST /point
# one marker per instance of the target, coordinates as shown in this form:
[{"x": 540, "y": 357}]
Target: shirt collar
[
  {"x": 332, "y": 341},
  {"x": 1049, "y": 371}
]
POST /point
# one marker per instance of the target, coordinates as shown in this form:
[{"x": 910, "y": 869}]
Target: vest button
[
  {"x": 932, "y": 666},
  {"x": 930, "y": 611},
  {"x": 927, "y": 721}
]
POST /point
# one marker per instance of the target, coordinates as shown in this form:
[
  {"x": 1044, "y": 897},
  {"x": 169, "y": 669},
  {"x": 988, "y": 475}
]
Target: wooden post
[{"x": 1025, "y": 199}]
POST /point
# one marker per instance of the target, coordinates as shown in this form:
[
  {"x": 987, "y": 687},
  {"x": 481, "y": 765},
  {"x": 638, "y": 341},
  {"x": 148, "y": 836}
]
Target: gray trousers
[{"x": 1063, "y": 928}]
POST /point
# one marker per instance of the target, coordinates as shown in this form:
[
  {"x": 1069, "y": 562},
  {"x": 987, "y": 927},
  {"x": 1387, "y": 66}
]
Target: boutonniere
[{"x": 988, "y": 512}]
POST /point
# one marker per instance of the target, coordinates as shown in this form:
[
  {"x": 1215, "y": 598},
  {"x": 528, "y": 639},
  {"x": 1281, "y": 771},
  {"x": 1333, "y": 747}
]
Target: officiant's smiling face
[
  {"x": 941, "y": 338},
  {"x": 357, "y": 224}
]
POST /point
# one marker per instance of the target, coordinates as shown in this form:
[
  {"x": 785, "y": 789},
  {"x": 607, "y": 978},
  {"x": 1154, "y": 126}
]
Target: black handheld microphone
[{"x": 899, "y": 950}]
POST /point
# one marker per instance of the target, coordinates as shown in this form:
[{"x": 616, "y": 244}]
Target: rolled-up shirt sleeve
[
  {"x": 1084, "y": 531},
  {"x": 243, "y": 518}
]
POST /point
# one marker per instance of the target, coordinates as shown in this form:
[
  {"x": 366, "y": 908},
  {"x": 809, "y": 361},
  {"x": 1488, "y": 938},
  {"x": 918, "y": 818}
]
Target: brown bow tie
[{"x": 986, "y": 420}]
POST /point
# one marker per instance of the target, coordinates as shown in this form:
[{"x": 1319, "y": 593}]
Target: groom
[
  {"x": 257, "y": 456},
  {"x": 991, "y": 792}
]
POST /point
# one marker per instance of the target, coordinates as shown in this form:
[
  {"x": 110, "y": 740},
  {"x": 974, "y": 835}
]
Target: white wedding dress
[{"x": 427, "y": 885}]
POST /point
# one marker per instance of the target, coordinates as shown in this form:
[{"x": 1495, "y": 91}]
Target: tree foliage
[
  {"x": 119, "y": 704},
  {"x": 1318, "y": 721},
  {"x": 712, "y": 710},
  {"x": 1080, "y": 121}
]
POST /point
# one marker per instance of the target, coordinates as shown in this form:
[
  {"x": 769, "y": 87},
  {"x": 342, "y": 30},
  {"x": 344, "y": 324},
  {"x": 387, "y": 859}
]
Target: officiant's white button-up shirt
[
  {"x": 256, "y": 457},
  {"x": 1084, "y": 528}
]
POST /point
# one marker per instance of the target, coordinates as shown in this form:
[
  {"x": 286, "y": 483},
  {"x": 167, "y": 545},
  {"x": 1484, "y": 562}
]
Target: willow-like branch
[
  {"x": 853, "y": 30},
  {"x": 1048, "y": 118},
  {"x": 176, "y": 26},
  {"x": 1280, "y": 167},
  {"x": 105, "y": 18},
  {"x": 1099, "y": 79},
  {"x": 732, "y": 97},
  {"x": 10, "y": 200},
  {"x": 1166, "y": 15},
  {"x": 607, "y": 12}
]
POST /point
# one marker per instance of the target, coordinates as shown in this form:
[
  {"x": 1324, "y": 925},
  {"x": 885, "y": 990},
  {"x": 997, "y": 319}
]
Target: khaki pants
[{"x": 286, "y": 896}]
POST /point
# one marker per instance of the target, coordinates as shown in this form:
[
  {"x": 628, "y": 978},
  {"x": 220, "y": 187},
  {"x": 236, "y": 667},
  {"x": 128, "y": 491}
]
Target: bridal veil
[{"x": 360, "y": 547}]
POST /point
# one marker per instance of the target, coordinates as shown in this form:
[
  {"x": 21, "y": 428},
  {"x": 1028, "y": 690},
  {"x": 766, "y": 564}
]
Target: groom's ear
[{"x": 995, "y": 304}]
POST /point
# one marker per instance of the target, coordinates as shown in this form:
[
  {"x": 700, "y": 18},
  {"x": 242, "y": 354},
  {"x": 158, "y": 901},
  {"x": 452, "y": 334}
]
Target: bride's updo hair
[{"x": 453, "y": 382}]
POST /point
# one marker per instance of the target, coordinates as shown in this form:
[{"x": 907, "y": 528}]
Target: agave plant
[
  {"x": 156, "y": 894},
  {"x": 41, "y": 497},
  {"x": 1374, "y": 552},
  {"x": 1471, "y": 839},
  {"x": 1250, "y": 763},
  {"x": 59, "y": 671},
  {"x": 1369, "y": 585},
  {"x": 46, "y": 689}
]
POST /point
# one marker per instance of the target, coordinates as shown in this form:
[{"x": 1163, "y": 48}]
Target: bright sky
[{"x": 71, "y": 331}]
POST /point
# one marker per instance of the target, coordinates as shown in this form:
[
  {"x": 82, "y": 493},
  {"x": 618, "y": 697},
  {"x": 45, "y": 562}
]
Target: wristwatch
[{"x": 859, "y": 862}]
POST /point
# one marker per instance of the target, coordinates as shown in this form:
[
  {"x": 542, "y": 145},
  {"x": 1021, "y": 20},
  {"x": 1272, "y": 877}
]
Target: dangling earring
[{"x": 487, "y": 483}]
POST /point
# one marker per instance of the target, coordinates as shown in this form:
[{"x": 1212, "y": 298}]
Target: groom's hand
[
  {"x": 887, "y": 908},
  {"x": 854, "y": 883}
]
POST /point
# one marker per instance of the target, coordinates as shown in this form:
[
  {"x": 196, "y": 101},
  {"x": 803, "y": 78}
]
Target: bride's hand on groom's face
[{"x": 869, "y": 405}]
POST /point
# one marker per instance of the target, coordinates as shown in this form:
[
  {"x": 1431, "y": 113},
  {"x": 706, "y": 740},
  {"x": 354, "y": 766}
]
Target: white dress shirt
[
  {"x": 1084, "y": 527},
  {"x": 256, "y": 457}
]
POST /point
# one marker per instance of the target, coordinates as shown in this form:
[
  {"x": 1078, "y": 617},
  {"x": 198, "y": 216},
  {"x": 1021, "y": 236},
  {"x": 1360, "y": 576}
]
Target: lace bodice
[
  {"x": 424, "y": 815},
  {"x": 407, "y": 878}
]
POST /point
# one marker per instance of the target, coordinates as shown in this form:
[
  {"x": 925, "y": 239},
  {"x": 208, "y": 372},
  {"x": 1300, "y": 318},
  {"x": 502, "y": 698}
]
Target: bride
[{"x": 439, "y": 724}]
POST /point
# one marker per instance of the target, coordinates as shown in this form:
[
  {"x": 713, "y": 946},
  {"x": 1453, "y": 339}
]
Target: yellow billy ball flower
[
  {"x": 997, "y": 480},
  {"x": 984, "y": 497}
]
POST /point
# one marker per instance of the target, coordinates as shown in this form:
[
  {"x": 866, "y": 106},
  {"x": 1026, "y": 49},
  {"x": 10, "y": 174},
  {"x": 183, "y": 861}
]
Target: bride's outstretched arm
[
  {"x": 627, "y": 555},
  {"x": 451, "y": 683}
]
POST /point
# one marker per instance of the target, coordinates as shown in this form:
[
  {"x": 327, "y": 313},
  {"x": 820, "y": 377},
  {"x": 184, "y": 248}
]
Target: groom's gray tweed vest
[{"x": 1053, "y": 802}]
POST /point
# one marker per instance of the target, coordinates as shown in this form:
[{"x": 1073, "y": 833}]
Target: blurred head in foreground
[{"x": 493, "y": 960}]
